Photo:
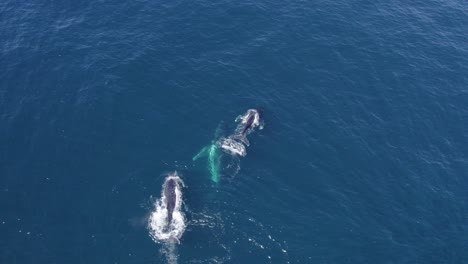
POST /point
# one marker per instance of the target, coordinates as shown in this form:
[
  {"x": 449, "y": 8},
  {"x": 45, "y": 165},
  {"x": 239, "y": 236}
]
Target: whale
[
  {"x": 251, "y": 119},
  {"x": 234, "y": 145},
  {"x": 166, "y": 223},
  {"x": 171, "y": 198},
  {"x": 248, "y": 122}
]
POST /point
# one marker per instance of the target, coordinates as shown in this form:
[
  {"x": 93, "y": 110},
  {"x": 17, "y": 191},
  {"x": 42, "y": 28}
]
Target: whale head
[{"x": 249, "y": 122}]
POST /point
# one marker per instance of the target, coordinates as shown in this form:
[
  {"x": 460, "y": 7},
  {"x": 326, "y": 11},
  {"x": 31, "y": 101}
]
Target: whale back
[
  {"x": 248, "y": 124},
  {"x": 171, "y": 198}
]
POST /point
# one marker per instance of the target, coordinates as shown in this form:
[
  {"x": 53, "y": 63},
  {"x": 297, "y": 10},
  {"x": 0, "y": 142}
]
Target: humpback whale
[
  {"x": 234, "y": 145},
  {"x": 167, "y": 222},
  {"x": 171, "y": 198},
  {"x": 248, "y": 122}
]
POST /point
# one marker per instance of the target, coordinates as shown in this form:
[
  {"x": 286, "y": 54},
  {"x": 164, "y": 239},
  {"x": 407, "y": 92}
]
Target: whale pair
[
  {"x": 234, "y": 144},
  {"x": 167, "y": 222}
]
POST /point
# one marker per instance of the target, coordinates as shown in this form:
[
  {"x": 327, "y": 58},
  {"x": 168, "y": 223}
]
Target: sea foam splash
[
  {"x": 159, "y": 229},
  {"x": 232, "y": 146}
]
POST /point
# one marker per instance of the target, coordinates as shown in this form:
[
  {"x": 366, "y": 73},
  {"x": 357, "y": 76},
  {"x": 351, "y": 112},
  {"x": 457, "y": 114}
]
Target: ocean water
[{"x": 363, "y": 158}]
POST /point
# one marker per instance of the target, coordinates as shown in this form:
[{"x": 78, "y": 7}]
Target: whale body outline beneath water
[{"x": 213, "y": 153}]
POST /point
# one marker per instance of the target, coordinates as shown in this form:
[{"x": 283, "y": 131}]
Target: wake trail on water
[{"x": 169, "y": 250}]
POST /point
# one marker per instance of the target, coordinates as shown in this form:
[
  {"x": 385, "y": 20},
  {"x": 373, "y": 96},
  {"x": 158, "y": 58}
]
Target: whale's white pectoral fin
[
  {"x": 200, "y": 154},
  {"x": 238, "y": 118}
]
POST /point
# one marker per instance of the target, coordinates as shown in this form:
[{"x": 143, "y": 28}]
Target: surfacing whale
[
  {"x": 171, "y": 197},
  {"x": 234, "y": 144},
  {"x": 248, "y": 122},
  {"x": 167, "y": 222}
]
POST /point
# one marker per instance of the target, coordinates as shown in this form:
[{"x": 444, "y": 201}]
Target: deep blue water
[{"x": 363, "y": 159}]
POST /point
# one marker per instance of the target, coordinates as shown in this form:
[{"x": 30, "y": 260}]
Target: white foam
[
  {"x": 232, "y": 146},
  {"x": 159, "y": 229}
]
